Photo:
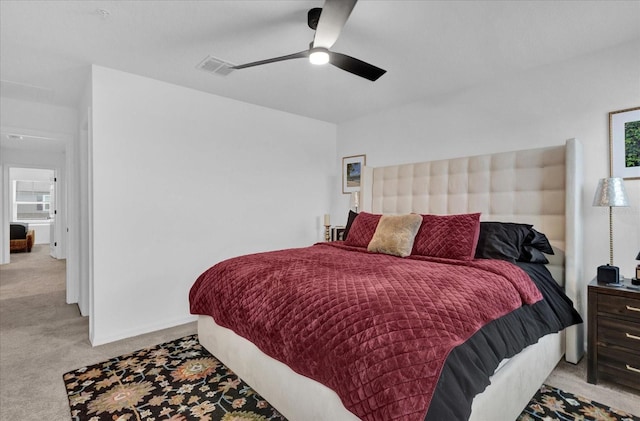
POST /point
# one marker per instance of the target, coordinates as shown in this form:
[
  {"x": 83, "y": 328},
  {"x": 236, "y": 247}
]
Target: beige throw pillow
[{"x": 395, "y": 234}]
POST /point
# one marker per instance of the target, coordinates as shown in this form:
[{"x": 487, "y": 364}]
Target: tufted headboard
[{"x": 536, "y": 186}]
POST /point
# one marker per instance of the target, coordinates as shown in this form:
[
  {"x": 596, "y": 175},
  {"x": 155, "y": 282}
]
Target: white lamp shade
[{"x": 610, "y": 192}]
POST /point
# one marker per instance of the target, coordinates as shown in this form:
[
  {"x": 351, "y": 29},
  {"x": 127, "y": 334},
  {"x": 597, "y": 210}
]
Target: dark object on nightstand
[
  {"x": 614, "y": 335},
  {"x": 608, "y": 274},
  {"x": 636, "y": 280}
]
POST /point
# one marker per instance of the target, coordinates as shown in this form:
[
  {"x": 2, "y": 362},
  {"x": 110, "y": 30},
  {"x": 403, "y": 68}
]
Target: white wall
[
  {"x": 37, "y": 116},
  {"x": 183, "y": 179},
  {"x": 80, "y": 250},
  {"x": 541, "y": 107}
]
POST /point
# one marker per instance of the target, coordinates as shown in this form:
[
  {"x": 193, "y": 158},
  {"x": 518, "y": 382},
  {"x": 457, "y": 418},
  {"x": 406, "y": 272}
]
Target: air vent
[{"x": 216, "y": 66}]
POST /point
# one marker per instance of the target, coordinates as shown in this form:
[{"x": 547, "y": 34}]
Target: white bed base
[
  {"x": 300, "y": 398},
  {"x": 511, "y": 184},
  {"x": 297, "y": 397}
]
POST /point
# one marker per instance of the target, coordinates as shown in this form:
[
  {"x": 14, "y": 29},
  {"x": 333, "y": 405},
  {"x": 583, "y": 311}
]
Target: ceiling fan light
[{"x": 319, "y": 55}]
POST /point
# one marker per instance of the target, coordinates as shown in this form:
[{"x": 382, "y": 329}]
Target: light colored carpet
[
  {"x": 42, "y": 337},
  {"x": 32, "y": 273},
  {"x": 573, "y": 378}
]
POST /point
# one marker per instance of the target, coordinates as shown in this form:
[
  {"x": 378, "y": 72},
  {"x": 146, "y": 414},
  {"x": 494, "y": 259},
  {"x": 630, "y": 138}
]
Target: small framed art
[
  {"x": 337, "y": 233},
  {"x": 624, "y": 143},
  {"x": 352, "y": 172}
]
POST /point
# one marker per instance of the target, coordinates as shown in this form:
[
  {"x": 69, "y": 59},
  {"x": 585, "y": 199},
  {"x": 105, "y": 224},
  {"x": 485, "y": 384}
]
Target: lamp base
[{"x": 608, "y": 274}]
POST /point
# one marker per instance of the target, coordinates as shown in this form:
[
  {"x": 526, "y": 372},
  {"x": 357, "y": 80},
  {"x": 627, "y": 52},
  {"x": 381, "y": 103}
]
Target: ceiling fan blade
[
  {"x": 301, "y": 54},
  {"x": 355, "y": 66},
  {"x": 332, "y": 19}
]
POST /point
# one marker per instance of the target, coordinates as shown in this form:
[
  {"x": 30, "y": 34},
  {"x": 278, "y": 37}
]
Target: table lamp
[{"x": 610, "y": 192}]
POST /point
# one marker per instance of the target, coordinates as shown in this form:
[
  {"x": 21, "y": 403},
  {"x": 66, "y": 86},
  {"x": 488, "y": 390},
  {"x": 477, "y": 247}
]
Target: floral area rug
[
  {"x": 176, "y": 381},
  {"x": 182, "y": 381},
  {"x": 550, "y": 404}
]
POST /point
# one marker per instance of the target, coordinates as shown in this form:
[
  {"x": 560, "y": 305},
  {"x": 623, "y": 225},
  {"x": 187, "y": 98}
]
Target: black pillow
[
  {"x": 350, "y": 219},
  {"x": 502, "y": 240},
  {"x": 539, "y": 241},
  {"x": 512, "y": 242},
  {"x": 531, "y": 254}
]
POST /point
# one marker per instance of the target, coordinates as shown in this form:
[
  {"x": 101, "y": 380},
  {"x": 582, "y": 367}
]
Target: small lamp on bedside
[
  {"x": 610, "y": 192},
  {"x": 637, "y": 278},
  {"x": 327, "y": 227}
]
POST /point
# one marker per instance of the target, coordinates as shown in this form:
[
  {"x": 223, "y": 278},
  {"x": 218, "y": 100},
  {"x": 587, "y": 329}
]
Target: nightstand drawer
[
  {"x": 618, "y": 332},
  {"x": 619, "y": 366},
  {"x": 619, "y": 306}
]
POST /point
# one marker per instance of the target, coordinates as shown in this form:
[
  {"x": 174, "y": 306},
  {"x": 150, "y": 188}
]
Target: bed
[{"x": 540, "y": 187}]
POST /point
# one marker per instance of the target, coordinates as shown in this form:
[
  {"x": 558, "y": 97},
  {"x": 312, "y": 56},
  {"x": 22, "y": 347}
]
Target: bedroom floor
[
  {"x": 42, "y": 337},
  {"x": 572, "y": 378}
]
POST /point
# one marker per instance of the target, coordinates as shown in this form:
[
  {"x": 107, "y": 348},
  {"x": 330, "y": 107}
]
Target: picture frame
[
  {"x": 352, "y": 167},
  {"x": 337, "y": 233},
  {"x": 624, "y": 143}
]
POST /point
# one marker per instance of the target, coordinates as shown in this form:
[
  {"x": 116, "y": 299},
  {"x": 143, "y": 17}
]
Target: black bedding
[{"x": 468, "y": 367}]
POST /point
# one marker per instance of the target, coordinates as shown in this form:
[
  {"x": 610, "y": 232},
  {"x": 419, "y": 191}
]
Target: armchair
[{"x": 21, "y": 237}]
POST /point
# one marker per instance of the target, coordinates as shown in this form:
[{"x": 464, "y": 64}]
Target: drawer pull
[
  {"x": 637, "y": 370},
  {"x": 633, "y": 308},
  {"x": 630, "y": 336}
]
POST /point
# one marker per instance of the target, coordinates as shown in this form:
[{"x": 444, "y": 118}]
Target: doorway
[
  {"x": 32, "y": 193},
  {"x": 31, "y": 203}
]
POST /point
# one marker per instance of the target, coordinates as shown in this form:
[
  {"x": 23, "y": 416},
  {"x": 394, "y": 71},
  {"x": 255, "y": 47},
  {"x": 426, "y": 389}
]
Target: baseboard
[{"x": 97, "y": 340}]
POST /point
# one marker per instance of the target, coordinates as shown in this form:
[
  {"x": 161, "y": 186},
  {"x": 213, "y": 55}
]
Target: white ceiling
[{"x": 428, "y": 48}]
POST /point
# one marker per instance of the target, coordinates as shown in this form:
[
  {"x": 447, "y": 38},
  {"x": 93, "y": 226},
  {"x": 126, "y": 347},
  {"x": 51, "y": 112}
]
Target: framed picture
[
  {"x": 624, "y": 146},
  {"x": 351, "y": 172},
  {"x": 337, "y": 233}
]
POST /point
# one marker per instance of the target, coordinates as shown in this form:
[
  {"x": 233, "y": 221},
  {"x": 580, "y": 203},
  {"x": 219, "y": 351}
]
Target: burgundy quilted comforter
[{"x": 376, "y": 329}]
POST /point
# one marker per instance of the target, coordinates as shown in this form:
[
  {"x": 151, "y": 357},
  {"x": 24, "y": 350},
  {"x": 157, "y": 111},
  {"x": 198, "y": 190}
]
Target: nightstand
[{"x": 614, "y": 334}]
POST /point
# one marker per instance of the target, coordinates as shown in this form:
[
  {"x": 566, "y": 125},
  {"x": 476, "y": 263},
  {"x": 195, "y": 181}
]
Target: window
[{"x": 32, "y": 200}]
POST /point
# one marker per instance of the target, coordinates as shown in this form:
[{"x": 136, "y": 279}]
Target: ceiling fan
[{"x": 328, "y": 21}]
